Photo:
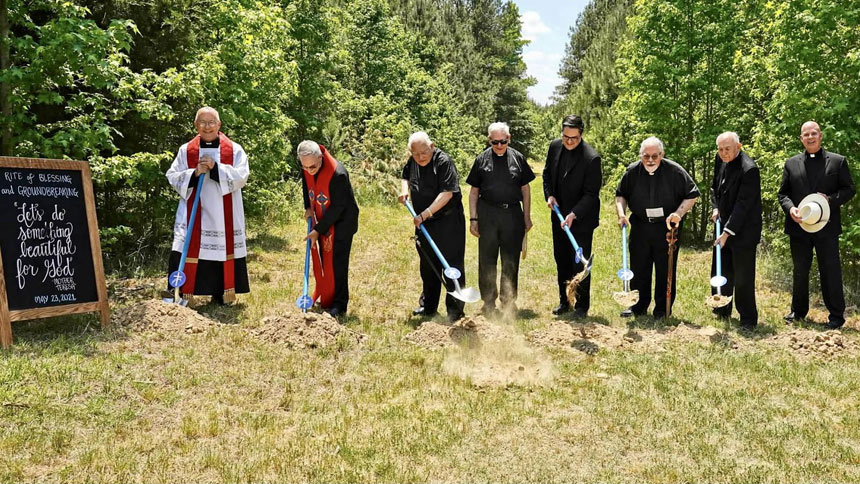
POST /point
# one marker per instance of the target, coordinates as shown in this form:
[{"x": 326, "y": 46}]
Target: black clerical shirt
[
  {"x": 428, "y": 181},
  {"x": 663, "y": 191},
  {"x": 500, "y": 178}
]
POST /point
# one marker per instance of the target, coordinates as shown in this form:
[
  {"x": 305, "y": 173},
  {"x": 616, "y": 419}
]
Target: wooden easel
[{"x": 101, "y": 305}]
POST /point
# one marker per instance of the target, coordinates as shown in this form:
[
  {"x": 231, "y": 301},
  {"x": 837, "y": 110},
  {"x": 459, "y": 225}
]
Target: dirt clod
[
  {"x": 305, "y": 330},
  {"x": 159, "y": 316}
]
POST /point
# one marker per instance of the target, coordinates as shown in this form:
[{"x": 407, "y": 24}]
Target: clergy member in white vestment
[{"x": 215, "y": 264}]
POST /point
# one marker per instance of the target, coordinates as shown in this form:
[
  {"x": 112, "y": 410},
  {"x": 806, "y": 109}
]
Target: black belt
[
  {"x": 500, "y": 205},
  {"x": 651, "y": 220}
]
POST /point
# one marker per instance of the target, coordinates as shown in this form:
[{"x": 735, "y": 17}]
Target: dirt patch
[
  {"x": 809, "y": 343},
  {"x": 470, "y": 331},
  {"x": 161, "y": 317},
  {"x": 486, "y": 353},
  {"x": 590, "y": 338},
  {"x": 305, "y": 330}
]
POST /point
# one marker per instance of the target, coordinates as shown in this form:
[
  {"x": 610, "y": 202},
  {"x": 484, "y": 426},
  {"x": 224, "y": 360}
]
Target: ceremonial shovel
[
  {"x": 671, "y": 238},
  {"x": 176, "y": 279},
  {"x": 625, "y": 298},
  {"x": 304, "y": 301},
  {"x": 579, "y": 256},
  {"x": 468, "y": 294},
  {"x": 718, "y": 300}
]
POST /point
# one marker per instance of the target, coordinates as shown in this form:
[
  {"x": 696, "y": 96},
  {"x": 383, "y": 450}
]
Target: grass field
[{"x": 78, "y": 404}]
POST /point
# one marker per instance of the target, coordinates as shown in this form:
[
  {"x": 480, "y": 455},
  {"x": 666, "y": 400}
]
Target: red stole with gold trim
[
  {"x": 320, "y": 200},
  {"x": 225, "y": 146}
]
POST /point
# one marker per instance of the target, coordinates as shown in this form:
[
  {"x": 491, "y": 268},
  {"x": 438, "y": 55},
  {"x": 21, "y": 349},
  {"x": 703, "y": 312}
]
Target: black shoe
[
  {"x": 748, "y": 325},
  {"x": 453, "y": 317},
  {"x": 720, "y": 313},
  {"x": 423, "y": 313},
  {"x": 561, "y": 309},
  {"x": 580, "y": 313},
  {"x": 791, "y": 317},
  {"x": 627, "y": 313},
  {"x": 334, "y": 311},
  {"x": 834, "y": 324}
]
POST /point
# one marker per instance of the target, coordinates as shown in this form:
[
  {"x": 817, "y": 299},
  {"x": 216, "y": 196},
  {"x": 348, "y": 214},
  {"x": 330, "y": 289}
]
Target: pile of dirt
[
  {"x": 805, "y": 342},
  {"x": 590, "y": 338},
  {"x": 305, "y": 330},
  {"x": 161, "y": 317},
  {"x": 471, "y": 331},
  {"x": 486, "y": 353}
]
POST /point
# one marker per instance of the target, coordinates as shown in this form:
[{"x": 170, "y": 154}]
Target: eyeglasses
[
  {"x": 570, "y": 138},
  {"x": 498, "y": 142},
  {"x": 208, "y": 123},
  {"x": 650, "y": 157}
]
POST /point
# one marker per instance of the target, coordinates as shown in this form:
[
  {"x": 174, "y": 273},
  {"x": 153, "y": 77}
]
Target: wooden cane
[{"x": 671, "y": 238}]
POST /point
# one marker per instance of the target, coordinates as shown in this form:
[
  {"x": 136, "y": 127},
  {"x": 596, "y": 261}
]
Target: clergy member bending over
[
  {"x": 329, "y": 200},
  {"x": 215, "y": 265}
]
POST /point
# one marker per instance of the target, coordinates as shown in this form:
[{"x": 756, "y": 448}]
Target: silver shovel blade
[
  {"x": 170, "y": 300},
  {"x": 468, "y": 294},
  {"x": 588, "y": 263}
]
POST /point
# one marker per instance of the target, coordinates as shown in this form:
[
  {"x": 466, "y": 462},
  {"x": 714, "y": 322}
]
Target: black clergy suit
[
  {"x": 736, "y": 193},
  {"x": 574, "y": 178},
  {"x": 833, "y": 179}
]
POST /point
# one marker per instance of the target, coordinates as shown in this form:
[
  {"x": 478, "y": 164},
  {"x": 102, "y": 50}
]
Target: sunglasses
[{"x": 498, "y": 142}]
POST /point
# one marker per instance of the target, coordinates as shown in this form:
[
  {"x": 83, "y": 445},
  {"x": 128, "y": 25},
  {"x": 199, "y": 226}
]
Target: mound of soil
[
  {"x": 589, "y": 338},
  {"x": 159, "y": 316},
  {"x": 305, "y": 330},
  {"x": 471, "y": 331},
  {"x": 805, "y": 342}
]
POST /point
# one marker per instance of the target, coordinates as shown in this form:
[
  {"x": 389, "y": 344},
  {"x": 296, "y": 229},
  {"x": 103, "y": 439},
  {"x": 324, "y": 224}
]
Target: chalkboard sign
[{"x": 50, "y": 253}]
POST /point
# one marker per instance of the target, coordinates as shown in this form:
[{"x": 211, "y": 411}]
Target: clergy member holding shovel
[
  {"x": 330, "y": 202},
  {"x": 430, "y": 180},
  {"x": 214, "y": 257},
  {"x": 736, "y": 202}
]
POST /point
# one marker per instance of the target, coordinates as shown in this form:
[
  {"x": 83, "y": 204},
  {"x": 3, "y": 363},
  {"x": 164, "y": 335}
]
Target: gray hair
[
  {"x": 651, "y": 141},
  {"x": 499, "y": 127},
  {"x": 207, "y": 109},
  {"x": 308, "y": 147},
  {"x": 730, "y": 135},
  {"x": 418, "y": 137}
]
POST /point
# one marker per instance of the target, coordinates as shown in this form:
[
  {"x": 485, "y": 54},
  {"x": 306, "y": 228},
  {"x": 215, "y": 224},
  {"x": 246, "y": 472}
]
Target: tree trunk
[{"x": 5, "y": 104}]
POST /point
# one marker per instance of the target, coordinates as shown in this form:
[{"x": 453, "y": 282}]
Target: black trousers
[
  {"x": 566, "y": 266},
  {"x": 502, "y": 231},
  {"x": 449, "y": 234},
  {"x": 739, "y": 270},
  {"x": 340, "y": 259},
  {"x": 829, "y": 270},
  {"x": 210, "y": 276},
  {"x": 649, "y": 252}
]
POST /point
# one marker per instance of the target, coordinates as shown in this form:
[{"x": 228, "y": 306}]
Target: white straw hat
[{"x": 815, "y": 212}]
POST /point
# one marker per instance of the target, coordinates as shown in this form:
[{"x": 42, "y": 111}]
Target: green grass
[{"x": 77, "y": 404}]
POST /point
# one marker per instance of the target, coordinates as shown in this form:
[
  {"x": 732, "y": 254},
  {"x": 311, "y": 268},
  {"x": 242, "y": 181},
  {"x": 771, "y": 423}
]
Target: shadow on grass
[
  {"x": 272, "y": 243},
  {"x": 72, "y": 334}
]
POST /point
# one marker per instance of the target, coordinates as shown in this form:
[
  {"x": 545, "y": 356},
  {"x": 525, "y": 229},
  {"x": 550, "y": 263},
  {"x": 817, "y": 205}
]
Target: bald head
[
  {"x": 810, "y": 136},
  {"x": 208, "y": 123}
]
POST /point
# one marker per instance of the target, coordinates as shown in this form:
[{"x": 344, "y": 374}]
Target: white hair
[
  {"x": 418, "y": 137},
  {"x": 650, "y": 141},
  {"x": 499, "y": 127},
  {"x": 207, "y": 109},
  {"x": 308, "y": 147},
  {"x": 730, "y": 135}
]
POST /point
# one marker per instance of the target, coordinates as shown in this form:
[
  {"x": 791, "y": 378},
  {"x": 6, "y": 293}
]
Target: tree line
[
  {"x": 687, "y": 70},
  {"x": 117, "y": 83}
]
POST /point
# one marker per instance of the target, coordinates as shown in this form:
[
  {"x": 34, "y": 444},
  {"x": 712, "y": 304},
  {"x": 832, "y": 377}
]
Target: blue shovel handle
[
  {"x": 177, "y": 279},
  {"x": 576, "y": 246},
  {"x": 450, "y": 272},
  {"x": 719, "y": 255},
  {"x": 304, "y": 301}
]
